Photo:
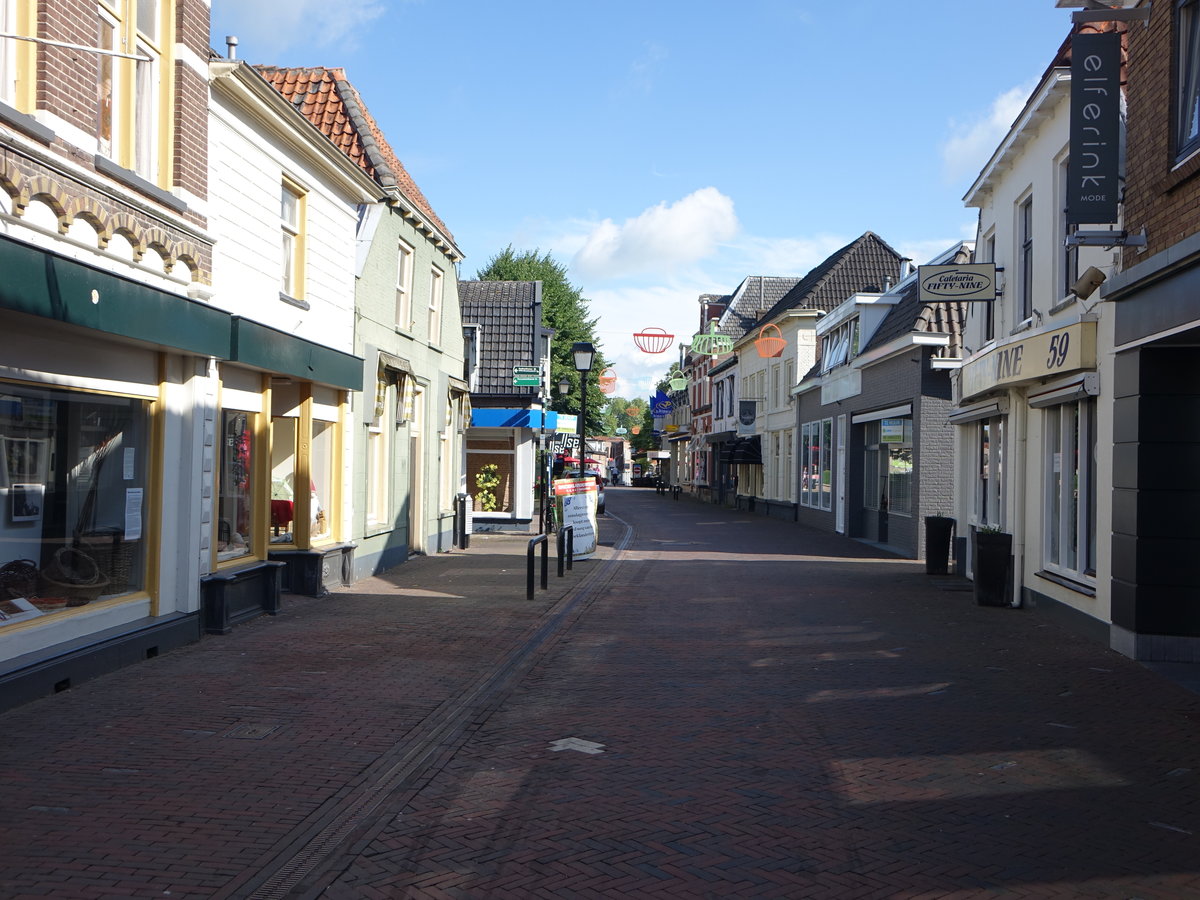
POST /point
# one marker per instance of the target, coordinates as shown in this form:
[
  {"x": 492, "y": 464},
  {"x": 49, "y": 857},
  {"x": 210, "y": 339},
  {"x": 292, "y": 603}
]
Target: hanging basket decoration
[
  {"x": 770, "y": 341},
  {"x": 622, "y": 430},
  {"x": 633, "y": 411},
  {"x": 676, "y": 380},
  {"x": 636, "y": 429},
  {"x": 710, "y": 342},
  {"x": 653, "y": 340},
  {"x": 608, "y": 381}
]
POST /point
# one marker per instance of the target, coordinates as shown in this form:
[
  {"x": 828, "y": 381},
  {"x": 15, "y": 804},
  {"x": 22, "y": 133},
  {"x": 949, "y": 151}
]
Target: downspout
[{"x": 1018, "y": 529}]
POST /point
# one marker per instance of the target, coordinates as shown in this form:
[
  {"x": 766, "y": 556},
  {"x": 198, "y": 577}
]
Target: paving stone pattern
[{"x": 779, "y": 712}]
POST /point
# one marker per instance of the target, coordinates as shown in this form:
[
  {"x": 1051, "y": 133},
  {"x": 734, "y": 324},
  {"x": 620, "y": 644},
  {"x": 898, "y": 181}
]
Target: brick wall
[
  {"x": 66, "y": 88},
  {"x": 66, "y": 79},
  {"x": 1163, "y": 201}
]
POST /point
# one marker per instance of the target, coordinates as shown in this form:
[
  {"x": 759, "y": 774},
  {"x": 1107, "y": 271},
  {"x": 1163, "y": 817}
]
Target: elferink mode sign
[{"x": 1093, "y": 169}]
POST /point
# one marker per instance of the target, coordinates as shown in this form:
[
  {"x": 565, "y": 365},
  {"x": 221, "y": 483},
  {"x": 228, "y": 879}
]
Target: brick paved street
[{"x": 778, "y": 713}]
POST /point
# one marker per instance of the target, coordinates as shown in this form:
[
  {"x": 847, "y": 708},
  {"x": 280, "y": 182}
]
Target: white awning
[
  {"x": 892, "y": 412},
  {"x": 1085, "y": 384},
  {"x": 978, "y": 411}
]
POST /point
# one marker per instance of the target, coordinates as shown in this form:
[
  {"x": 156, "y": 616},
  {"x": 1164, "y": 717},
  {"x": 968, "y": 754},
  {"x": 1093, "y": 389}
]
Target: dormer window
[{"x": 840, "y": 345}]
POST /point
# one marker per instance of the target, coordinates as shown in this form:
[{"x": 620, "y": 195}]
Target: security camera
[{"x": 1088, "y": 282}]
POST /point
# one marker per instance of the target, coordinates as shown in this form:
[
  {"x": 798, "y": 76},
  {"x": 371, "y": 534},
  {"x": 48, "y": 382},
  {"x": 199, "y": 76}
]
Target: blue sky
[{"x": 662, "y": 149}]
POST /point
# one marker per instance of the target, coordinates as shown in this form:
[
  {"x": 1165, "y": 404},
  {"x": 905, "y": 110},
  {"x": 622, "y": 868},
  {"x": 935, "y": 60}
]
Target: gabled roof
[
  {"x": 911, "y": 315},
  {"x": 755, "y": 294},
  {"x": 508, "y": 314},
  {"x": 327, "y": 99},
  {"x": 866, "y": 265}
]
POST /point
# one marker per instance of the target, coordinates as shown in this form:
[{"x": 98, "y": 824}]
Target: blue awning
[{"x": 512, "y": 418}]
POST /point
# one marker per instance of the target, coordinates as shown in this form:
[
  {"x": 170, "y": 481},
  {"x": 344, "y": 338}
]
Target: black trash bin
[{"x": 937, "y": 544}]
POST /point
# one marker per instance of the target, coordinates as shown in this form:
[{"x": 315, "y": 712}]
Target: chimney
[{"x": 231, "y": 43}]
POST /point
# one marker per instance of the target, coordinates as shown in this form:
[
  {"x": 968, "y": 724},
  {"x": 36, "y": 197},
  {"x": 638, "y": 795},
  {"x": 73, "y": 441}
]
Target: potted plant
[
  {"x": 486, "y": 482},
  {"x": 992, "y": 564}
]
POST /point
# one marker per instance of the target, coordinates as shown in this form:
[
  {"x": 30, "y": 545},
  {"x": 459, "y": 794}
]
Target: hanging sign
[
  {"x": 660, "y": 405},
  {"x": 747, "y": 413},
  {"x": 973, "y": 282},
  {"x": 1093, "y": 169}
]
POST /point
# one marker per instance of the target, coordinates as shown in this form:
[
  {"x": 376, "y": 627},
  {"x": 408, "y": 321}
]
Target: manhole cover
[{"x": 251, "y": 731}]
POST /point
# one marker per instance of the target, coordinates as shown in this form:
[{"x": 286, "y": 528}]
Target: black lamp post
[{"x": 585, "y": 355}]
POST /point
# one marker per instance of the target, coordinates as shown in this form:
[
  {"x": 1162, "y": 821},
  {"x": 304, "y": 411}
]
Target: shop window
[
  {"x": 235, "y": 505},
  {"x": 989, "y": 487},
  {"x": 283, "y": 477},
  {"x": 888, "y": 465},
  {"x": 321, "y": 465},
  {"x": 72, "y": 498},
  {"x": 816, "y": 455},
  {"x": 404, "y": 271},
  {"x": 1070, "y": 480},
  {"x": 490, "y": 467},
  {"x": 1187, "y": 77}
]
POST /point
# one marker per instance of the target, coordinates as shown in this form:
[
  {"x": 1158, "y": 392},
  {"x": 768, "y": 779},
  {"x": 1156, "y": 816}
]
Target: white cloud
[
  {"x": 971, "y": 144},
  {"x": 266, "y": 28},
  {"x": 661, "y": 238}
]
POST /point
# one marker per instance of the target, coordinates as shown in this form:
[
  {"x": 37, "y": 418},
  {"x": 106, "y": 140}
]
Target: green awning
[
  {"x": 43, "y": 284},
  {"x": 276, "y": 351}
]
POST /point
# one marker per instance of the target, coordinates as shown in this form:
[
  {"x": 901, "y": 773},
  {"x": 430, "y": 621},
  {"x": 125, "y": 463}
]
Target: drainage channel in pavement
[{"x": 442, "y": 733}]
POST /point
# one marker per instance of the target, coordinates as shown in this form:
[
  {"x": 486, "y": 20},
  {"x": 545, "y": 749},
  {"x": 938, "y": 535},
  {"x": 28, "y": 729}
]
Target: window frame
[
  {"x": 1069, "y": 552},
  {"x": 1024, "y": 235},
  {"x": 138, "y": 119},
  {"x": 1186, "y": 79},
  {"x": 436, "y": 290},
  {"x": 292, "y": 240},
  {"x": 404, "y": 285}
]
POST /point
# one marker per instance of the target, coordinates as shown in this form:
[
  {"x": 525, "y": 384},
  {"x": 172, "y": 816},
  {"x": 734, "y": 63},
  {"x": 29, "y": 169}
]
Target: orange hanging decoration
[
  {"x": 632, "y": 411},
  {"x": 653, "y": 340},
  {"x": 608, "y": 381},
  {"x": 636, "y": 429},
  {"x": 770, "y": 344}
]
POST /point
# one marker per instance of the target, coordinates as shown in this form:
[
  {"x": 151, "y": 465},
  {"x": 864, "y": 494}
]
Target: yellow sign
[{"x": 1037, "y": 356}]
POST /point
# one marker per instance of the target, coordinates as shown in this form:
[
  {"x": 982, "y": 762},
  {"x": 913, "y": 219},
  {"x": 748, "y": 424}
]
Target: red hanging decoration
[
  {"x": 608, "y": 381},
  {"x": 653, "y": 340}
]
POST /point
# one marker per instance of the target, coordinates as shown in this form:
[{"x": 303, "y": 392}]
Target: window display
[
  {"x": 72, "y": 493},
  {"x": 235, "y": 515}
]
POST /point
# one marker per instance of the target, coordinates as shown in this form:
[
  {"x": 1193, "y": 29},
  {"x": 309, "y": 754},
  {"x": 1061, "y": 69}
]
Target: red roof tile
[{"x": 327, "y": 99}]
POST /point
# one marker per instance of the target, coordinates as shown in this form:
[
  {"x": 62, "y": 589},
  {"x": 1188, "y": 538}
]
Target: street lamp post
[{"x": 585, "y": 355}]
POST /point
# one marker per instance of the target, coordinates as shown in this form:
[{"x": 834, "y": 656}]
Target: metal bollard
[
  {"x": 566, "y": 542},
  {"x": 533, "y": 542}
]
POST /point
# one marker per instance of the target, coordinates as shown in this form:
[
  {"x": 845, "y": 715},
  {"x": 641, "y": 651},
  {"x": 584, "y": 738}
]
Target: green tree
[{"x": 566, "y": 311}]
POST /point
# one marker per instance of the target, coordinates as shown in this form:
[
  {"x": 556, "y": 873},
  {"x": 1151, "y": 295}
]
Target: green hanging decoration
[
  {"x": 710, "y": 342},
  {"x": 676, "y": 380}
]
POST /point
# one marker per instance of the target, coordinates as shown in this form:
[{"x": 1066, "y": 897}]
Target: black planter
[
  {"x": 937, "y": 544},
  {"x": 993, "y": 562}
]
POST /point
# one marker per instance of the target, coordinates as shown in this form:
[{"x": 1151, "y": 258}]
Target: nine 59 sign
[
  {"x": 1093, "y": 169},
  {"x": 1055, "y": 352}
]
